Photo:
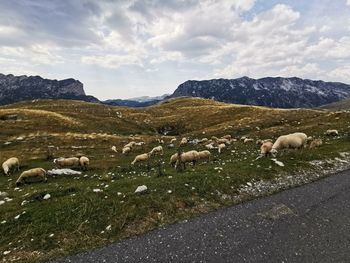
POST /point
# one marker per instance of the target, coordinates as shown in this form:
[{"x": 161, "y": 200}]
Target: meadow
[{"x": 78, "y": 217}]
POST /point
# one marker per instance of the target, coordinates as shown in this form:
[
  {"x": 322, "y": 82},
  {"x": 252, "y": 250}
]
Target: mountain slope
[
  {"x": 19, "y": 88},
  {"x": 270, "y": 92}
]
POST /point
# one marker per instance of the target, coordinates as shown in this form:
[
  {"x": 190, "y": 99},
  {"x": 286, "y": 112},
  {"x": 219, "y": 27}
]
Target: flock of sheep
[
  {"x": 180, "y": 158},
  {"x": 40, "y": 174}
]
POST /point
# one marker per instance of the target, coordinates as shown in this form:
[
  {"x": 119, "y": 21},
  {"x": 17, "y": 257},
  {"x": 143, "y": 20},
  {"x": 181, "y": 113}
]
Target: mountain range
[{"x": 274, "y": 92}]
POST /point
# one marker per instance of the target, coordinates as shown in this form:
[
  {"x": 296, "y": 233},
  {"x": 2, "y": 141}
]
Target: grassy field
[{"x": 76, "y": 218}]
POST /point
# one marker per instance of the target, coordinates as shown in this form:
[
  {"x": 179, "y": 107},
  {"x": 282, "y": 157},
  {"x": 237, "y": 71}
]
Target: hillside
[
  {"x": 99, "y": 206},
  {"x": 271, "y": 92},
  {"x": 340, "y": 105},
  {"x": 21, "y": 88}
]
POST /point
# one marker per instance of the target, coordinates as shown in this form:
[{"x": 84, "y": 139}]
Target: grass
[{"x": 75, "y": 218}]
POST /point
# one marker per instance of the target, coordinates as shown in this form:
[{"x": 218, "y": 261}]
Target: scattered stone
[
  {"x": 141, "y": 189},
  {"x": 2, "y": 202},
  {"x": 279, "y": 163},
  {"x": 109, "y": 228},
  {"x": 51, "y": 235},
  {"x": 277, "y": 211},
  {"x": 65, "y": 171},
  {"x": 6, "y": 252},
  {"x": 24, "y": 202},
  {"x": 47, "y": 196},
  {"x": 169, "y": 191},
  {"x": 97, "y": 190}
]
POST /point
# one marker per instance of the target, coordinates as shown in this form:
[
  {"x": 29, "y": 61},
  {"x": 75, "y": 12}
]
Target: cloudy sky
[{"x": 122, "y": 49}]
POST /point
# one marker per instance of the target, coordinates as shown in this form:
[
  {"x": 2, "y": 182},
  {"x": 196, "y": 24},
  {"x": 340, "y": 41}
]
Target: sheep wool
[
  {"x": 32, "y": 175},
  {"x": 9, "y": 164}
]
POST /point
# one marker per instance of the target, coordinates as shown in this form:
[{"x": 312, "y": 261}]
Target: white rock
[
  {"x": 6, "y": 252},
  {"x": 47, "y": 196},
  {"x": 97, "y": 190},
  {"x": 2, "y": 202},
  {"x": 109, "y": 228},
  {"x": 3, "y": 222},
  {"x": 51, "y": 235},
  {"x": 65, "y": 171},
  {"x": 249, "y": 184},
  {"x": 169, "y": 191},
  {"x": 119, "y": 193},
  {"x": 3, "y": 194},
  {"x": 17, "y": 216},
  {"x": 24, "y": 202},
  {"x": 279, "y": 163},
  {"x": 141, "y": 189}
]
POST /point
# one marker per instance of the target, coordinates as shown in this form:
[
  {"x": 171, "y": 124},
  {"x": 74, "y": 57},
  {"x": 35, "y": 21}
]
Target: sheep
[
  {"x": 141, "y": 158},
  {"x": 126, "y": 150},
  {"x": 183, "y": 142},
  {"x": 315, "y": 143},
  {"x": 34, "y": 174},
  {"x": 84, "y": 162},
  {"x": 67, "y": 162},
  {"x": 221, "y": 147},
  {"x": 294, "y": 140},
  {"x": 259, "y": 142},
  {"x": 214, "y": 138},
  {"x": 114, "y": 149},
  {"x": 265, "y": 148},
  {"x": 204, "y": 155},
  {"x": 130, "y": 144},
  {"x": 332, "y": 133},
  {"x": 222, "y": 140},
  {"x": 172, "y": 141},
  {"x": 246, "y": 140},
  {"x": 173, "y": 159},
  {"x": 210, "y": 146},
  {"x": 228, "y": 137},
  {"x": 203, "y": 140},
  {"x": 158, "y": 149},
  {"x": 11, "y": 163},
  {"x": 187, "y": 157}
]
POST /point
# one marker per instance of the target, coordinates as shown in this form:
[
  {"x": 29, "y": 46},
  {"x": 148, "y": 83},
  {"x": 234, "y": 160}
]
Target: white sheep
[
  {"x": 141, "y": 158},
  {"x": 315, "y": 143},
  {"x": 35, "y": 174},
  {"x": 173, "y": 159},
  {"x": 126, "y": 150},
  {"x": 223, "y": 140},
  {"x": 11, "y": 163},
  {"x": 246, "y": 140},
  {"x": 295, "y": 140},
  {"x": 332, "y": 133},
  {"x": 67, "y": 162},
  {"x": 210, "y": 146},
  {"x": 204, "y": 155},
  {"x": 221, "y": 147},
  {"x": 187, "y": 157},
  {"x": 130, "y": 144},
  {"x": 183, "y": 142},
  {"x": 114, "y": 149},
  {"x": 158, "y": 149},
  {"x": 84, "y": 162},
  {"x": 265, "y": 148}
]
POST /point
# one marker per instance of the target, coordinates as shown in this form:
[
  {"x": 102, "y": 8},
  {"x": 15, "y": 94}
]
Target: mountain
[
  {"x": 19, "y": 88},
  {"x": 130, "y": 103},
  {"x": 148, "y": 98},
  {"x": 271, "y": 92},
  {"x": 138, "y": 102},
  {"x": 339, "y": 105}
]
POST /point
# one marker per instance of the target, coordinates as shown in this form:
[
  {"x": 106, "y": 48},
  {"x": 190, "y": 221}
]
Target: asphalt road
[{"x": 310, "y": 223}]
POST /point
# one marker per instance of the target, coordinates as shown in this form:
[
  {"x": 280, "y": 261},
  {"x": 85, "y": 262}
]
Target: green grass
[{"x": 77, "y": 217}]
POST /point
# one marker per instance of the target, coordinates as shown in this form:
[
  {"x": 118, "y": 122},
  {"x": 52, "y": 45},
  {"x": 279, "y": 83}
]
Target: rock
[
  {"x": 2, "y": 202},
  {"x": 97, "y": 190},
  {"x": 47, "y": 196},
  {"x": 65, "y": 171},
  {"x": 3, "y": 194},
  {"x": 109, "y": 228},
  {"x": 141, "y": 189},
  {"x": 279, "y": 163}
]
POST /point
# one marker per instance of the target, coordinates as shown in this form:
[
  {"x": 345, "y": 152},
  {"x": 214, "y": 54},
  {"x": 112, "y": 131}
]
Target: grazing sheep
[
  {"x": 221, "y": 147},
  {"x": 32, "y": 175},
  {"x": 222, "y": 140},
  {"x": 210, "y": 146},
  {"x": 130, "y": 144},
  {"x": 187, "y": 157},
  {"x": 114, "y": 149},
  {"x": 265, "y": 148},
  {"x": 315, "y": 143},
  {"x": 183, "y": 142},
  {"x": 295, "y": 140},
  {"x": 227, "y": 136},
  {"x": 214, "y": 138},
  {"x": 11, "y": 163},
  {"x": 203, "y": 140},
  {"x": 259, "y": 142},
  {"x": 173, "y": 159},
  {"x": 126, "y": 150},
  {"x": 332, "y": 133},
  {"x": 67, "y": 162},
  {"x": 204, "y": 155},
  {"x": 141, "y": 158},
  {"x": 246, "y": 140},
  {"x": 158, "y": 149},
  {"x": 84, "y": 162}
]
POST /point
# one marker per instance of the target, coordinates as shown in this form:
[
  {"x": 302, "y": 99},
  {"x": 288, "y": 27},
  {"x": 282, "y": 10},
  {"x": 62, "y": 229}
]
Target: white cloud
[
  {"x": 348, "y": 2},
  {"x": 340, "y": 74}
]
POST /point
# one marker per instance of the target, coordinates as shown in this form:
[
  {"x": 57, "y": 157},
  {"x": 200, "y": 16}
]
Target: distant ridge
[
  {"x": 271, "y": 92},
  {"x": 19, "y": 88}
]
